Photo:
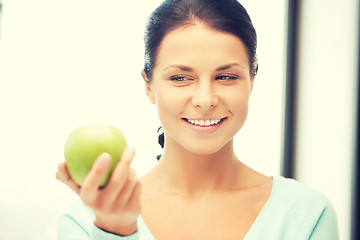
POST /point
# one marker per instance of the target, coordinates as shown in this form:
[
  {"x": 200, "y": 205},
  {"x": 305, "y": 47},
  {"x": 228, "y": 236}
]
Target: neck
[{"x": 194, "y": 175}]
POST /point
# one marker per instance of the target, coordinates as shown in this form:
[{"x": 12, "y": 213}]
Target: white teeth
[{"x": 207, "y": 122}]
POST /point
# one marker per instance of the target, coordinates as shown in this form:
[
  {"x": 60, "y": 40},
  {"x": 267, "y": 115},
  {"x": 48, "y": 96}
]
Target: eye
[
  {"x": 180, "y": 78},
  {"x": 226, "y": 77}
]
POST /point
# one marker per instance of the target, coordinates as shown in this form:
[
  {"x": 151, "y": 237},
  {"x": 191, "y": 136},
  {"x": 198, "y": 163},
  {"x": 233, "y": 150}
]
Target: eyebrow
[
  {"x": 227, "y": 66},
  {"x": 189, "y": 69},
  {"x": 181, "y": 67}
]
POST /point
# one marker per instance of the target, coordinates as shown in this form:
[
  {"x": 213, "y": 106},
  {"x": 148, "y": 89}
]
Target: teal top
[{"x": 293, "y": 211}]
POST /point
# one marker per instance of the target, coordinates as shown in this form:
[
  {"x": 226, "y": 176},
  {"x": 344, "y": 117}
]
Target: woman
[{"x": 200, "y": 64}]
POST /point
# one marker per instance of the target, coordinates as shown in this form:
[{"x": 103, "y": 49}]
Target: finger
[
  {"x": 127, "y": 156},
  {"x": 91, "y": 184},
  {"x": 126, "y": 192},
  {"x": 63, "y": 175},
  {"x": 120, "y": 174},
  {"x": 134, "y": 200}
]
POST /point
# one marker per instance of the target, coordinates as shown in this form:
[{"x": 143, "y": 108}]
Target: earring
[{"x": 161, "y": 138}]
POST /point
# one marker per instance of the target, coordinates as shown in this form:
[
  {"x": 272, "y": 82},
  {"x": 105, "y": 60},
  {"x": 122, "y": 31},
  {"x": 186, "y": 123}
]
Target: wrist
[{"x": 117, "y": 229}]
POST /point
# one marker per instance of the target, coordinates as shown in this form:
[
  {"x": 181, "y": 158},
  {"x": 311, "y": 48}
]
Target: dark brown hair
[{"x": 223, "y": 15}]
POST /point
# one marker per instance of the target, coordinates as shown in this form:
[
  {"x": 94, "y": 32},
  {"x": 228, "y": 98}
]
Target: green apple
[{"x": 86, "y": 143}]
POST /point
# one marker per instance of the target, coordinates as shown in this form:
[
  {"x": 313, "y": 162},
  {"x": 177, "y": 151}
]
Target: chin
[{"x": 206, "y": 149}]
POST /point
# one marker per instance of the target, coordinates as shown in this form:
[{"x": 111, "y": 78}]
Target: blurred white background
[
  {"x": 69, "y": 63},
  {"x": 66, "y": 63},
  {"x": 327, "y": 98}
]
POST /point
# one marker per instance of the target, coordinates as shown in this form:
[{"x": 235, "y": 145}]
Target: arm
[
  {"x": 116, "y": 206},
  {"x": 70, "y": 228},
  {"x": 326, "y": 226}
]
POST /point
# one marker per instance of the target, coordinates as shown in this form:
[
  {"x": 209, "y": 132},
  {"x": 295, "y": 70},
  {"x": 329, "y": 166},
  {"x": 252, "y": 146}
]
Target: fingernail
[
  {"x": 105, "y": 159},
  {"x": 130, "y": 150}
]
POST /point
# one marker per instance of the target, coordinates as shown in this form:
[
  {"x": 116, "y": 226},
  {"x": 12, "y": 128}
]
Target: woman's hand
[{"x": 117, "y": 205}]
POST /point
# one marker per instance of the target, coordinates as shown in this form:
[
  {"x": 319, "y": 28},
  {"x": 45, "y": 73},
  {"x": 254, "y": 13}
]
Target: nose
[{"x": 205, "y": 97}]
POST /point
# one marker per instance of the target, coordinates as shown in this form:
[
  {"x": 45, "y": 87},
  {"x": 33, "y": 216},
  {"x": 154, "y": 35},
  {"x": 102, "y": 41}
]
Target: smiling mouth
[{"x": 204, "y": 122}]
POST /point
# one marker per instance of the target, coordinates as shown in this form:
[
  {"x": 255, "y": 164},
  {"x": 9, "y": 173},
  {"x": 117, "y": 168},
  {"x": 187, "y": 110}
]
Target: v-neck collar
[
  {"x": 259, "y": 219},
  {"x": 262, "y": 215}
]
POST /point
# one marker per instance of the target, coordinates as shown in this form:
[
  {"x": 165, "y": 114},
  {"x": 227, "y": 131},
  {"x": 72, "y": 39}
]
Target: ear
[
  {"x": 148, "y": 88},
  {"x": 251, "y": 85}
]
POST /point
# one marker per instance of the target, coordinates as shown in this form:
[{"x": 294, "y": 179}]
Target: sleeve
[
  {"x": 326, "y": 226},
  {"x": 75, "y": 228},
  {"x": 98, "y": 234}
]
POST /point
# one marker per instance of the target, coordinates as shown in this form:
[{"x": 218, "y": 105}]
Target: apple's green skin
[{"x": 86, "y": 143}]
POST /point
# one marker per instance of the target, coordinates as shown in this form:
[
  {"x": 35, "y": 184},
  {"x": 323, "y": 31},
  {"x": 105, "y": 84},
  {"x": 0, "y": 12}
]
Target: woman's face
[{"x": 201, "y": 85}]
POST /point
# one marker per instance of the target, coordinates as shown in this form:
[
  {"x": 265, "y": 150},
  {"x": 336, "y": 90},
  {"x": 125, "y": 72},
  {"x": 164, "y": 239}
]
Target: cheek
[
  {"x": 241, "y": 104},
  {"x": 238, "y": 104},
  {"x": 169, "y": 105}
]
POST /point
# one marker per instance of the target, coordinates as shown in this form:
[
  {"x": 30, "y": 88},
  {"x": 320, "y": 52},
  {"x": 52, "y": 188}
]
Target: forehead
[{"x": 198, "y": 45}]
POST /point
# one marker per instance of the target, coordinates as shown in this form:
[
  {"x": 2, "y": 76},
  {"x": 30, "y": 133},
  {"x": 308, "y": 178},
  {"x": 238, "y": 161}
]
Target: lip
[{"x": 204, "y": 129}]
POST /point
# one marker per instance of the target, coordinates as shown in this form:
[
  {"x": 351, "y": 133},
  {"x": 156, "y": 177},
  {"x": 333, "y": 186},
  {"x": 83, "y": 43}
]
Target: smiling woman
[
  {"x": 200, "y": 65},
  {"x": 190, "y": 82}
]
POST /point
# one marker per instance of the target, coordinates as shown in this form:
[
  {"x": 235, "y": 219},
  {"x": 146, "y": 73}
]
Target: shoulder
[
  {"x": 307, "y": 200},
  {"x": 298, "y": 193},
  {"x": 302, "y": 206},
  {"x": 302, "y": 199}
]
